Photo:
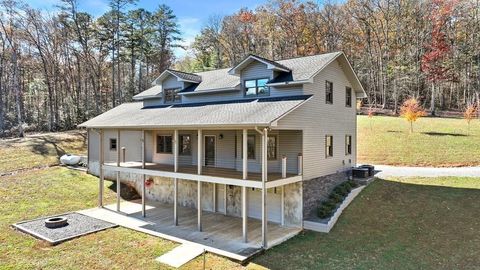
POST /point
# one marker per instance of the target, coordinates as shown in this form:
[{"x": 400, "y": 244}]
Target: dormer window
[
  {"x": 171, "y": 95},
  {"x": 256, "y": 87}
]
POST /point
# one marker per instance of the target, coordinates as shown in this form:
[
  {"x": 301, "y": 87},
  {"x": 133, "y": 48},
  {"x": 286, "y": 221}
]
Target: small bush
[{"x": 337, "y": 196}]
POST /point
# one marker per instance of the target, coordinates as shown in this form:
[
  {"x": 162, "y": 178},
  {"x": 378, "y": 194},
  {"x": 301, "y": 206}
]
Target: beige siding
[{"x": 319, "y": 119}]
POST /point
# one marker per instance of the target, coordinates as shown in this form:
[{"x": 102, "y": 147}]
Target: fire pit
[{"x": 56, "y": 222}]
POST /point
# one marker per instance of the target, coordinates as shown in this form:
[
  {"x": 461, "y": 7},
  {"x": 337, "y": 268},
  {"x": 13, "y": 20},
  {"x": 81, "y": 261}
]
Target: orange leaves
[
  {"x": 470, "y": 113},
  {"x": 246, "y": 16},
  {"x": 411, "y": 110}
]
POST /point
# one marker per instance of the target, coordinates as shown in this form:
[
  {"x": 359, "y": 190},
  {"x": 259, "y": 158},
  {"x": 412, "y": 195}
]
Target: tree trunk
[{"x": 432, "y": 100}]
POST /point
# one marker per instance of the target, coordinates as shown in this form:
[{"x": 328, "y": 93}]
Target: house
[{"x": 263, "y": 141}]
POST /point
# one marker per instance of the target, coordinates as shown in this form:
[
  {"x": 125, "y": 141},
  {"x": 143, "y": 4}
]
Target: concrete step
[{"x": 181, "y": 255}]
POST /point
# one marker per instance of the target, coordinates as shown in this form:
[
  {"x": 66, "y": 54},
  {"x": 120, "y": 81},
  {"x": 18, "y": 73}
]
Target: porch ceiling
[{"x": 235, "y": 113}]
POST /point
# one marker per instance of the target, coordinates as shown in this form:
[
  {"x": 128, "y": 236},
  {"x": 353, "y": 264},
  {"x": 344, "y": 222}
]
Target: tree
[
  {"x": 411, "y": 110},
  {"x": 469, "y": 114},
  {"x": 434, "y": 61}
]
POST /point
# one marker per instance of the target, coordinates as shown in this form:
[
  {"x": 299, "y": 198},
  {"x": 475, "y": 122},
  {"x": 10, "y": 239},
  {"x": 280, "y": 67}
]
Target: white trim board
[{"x": 326, "y": 227}]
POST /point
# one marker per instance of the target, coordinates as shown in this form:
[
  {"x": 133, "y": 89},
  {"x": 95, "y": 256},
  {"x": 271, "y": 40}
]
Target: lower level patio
[{"x": 221, "y": 234}]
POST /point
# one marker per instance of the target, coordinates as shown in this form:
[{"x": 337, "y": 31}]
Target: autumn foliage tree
[
  {"x": 435, "y": 60},
  {"x": 469, "y": 114},
  {"x": 411, "y": 110}
]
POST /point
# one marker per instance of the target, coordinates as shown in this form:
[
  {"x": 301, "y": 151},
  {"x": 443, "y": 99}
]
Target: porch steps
[{"x": 181, "y": 255}]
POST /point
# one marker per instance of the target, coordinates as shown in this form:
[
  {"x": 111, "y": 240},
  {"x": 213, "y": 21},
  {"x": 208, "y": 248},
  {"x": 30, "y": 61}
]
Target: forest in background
[{"x": 59, "y": 69}]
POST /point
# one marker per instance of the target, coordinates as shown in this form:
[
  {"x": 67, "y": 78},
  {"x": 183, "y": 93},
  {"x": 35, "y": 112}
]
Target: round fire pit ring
[{"x": 56, "y": 222}]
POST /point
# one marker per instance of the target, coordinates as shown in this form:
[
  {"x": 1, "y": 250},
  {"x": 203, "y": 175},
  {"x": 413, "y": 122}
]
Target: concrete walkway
[{"x": 393, "y": 171}]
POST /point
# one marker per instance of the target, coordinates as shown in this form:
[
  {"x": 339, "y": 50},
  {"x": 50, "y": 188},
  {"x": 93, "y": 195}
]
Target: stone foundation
[
  {"x": 161, "y": 190},
  {"x": 318, "y": 189}
]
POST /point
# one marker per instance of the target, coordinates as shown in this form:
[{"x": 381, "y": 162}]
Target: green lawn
[
  {"x": 402, "y": 223},
  {"x": 37, "y": 193},
  {"x": 435, "y": 142},
  {"x": 40, "y": 150},
  {"x": 417, "y": 223}
]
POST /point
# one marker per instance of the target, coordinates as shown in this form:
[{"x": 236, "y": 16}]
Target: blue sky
[{"x": 191, "y": 14}]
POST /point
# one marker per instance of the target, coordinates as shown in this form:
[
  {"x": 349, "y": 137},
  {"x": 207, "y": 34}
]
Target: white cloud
[{"x": 189, "y": 27}]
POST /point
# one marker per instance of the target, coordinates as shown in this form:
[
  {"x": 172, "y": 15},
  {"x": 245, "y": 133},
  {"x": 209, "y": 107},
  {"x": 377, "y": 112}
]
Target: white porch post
[
  {"x": 225, "y": 200},
  {"x": 118, "y": 173},
  {"x": 264, "y": 187},
  {"x": 199, "y": 151},
  {"x": 199, "y": 183},
  {"x": 244, "y": 189},
  {"x": 282, "y": 206},
  {"x": 102, "y": 177},
  {"x": 175, "y": 180},
  {"x": 199, "y": 205},
  {"x": 245, "y": 154},
  {"x": 143, "y": 176},
  {"x": 214, "y": 197}
]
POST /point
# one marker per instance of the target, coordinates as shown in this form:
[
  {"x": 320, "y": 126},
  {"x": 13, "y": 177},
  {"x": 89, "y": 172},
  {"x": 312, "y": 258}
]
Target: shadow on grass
[
  {"x": 42, "y": 148},
  {"x": 416, "y": 216},
  {"x": 444, "y": 134}
]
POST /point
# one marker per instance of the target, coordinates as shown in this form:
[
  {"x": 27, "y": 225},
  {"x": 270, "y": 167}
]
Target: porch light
[{"x": 220, "y": 136}]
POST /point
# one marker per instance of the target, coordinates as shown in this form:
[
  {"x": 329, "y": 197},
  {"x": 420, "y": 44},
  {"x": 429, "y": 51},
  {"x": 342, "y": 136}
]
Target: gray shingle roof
[
  {"x": 150, "y": 92},
  {"x": 186, "y": 76},
  {"x": 261, "y": 112},
  {"x": 302, "y": 68}
]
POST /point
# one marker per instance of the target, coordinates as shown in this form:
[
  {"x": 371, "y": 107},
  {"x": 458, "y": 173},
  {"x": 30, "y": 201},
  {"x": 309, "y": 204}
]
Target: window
[
  {"x": 171, "y": 95},
  {"x": 251, "y": 146},
  {"x": 272, "y": 148},
  {"x": 348, "y": 144},
  {"x": 348, "y": 97},
  {"x": 185, "y": 144},
  {"x": 328, "y": 146},
  {"x": 328, "y": 92},
  {"x": 164, "y": 144},
  {"x": 113, "y": 144},
  {"x": 256, "y": 87}
]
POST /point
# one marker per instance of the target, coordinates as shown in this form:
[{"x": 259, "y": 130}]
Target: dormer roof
[
  {"x": 180, "y": 75},
  {"x": 250, "y": 58}
]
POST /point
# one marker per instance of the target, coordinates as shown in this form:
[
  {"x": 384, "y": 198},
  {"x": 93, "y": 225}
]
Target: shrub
[{"x": 336, "y": 197}]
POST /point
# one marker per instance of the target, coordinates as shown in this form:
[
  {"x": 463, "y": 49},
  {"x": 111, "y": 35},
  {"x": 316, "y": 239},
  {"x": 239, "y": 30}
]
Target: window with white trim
[
  {"x": 328, "y": 146},
  {"x": 257, "y": 87}
]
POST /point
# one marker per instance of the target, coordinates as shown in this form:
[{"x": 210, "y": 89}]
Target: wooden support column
[
  {"x": 175, "y": 180},
  {"x": 282, "y": 206},
  {"x": 102, "y": 177},
  {"x": 245, "y": 154},
  {"x": 244, "y": 214},
  {"x": 199, "y": 151},
  {"x": 225, "y": 199},
  {"x": 264, "y": 188},
  {"x": 214, "y": 197},
  {"x": 199, "y": 206},
  {"x": 199, "y": 183},
  {"x": 244, "y": 189},
  {"x": 118, "y": 173},
  {"x": 144, "y": 176}
]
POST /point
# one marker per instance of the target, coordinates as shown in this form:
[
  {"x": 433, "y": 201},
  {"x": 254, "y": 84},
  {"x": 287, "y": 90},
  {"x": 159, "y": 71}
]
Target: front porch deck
[
  {"x": 221, "y": 234},
  {"x": 209, "y": 174}
]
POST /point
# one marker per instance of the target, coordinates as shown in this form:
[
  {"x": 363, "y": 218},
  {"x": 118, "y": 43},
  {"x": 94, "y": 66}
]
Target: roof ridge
[{"x": 276, "y": 61}]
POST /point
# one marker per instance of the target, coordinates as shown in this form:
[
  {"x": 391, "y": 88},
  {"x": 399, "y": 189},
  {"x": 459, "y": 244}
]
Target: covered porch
[{"x": 251, "y": 187}]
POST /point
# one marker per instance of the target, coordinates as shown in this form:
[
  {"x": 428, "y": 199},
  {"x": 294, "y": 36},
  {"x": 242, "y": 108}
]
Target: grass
[
  {"x": 408, "y": 223},
  {"x": 440, "y": 142},
  {"x": 40, "y": 150},
  {"x": 401, "y": 223},
  {"x": 36, "y": 193}
]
